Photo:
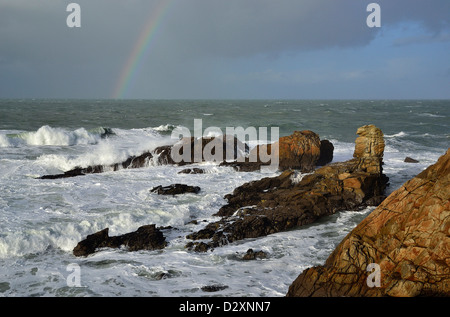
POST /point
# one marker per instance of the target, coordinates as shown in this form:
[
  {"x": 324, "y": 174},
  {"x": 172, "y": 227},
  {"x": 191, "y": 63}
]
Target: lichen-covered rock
[{"x": 407, "y": 237}]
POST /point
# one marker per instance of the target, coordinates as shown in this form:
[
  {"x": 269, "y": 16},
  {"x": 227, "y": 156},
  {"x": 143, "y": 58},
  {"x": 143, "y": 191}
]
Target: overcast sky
[{"x": 258, "y": 49}]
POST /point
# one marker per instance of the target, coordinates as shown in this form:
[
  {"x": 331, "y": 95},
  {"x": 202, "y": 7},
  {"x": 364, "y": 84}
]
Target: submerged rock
[
  {"x": 407, "y": 238},
  {"x": 275, "y": 204},
  {"x": 213, "y": 288},
  {"x": 175, "y": 189},
  {"x": 144, "y": 238},
  {"x": 410, "y": 160},
  {"x": 192, "y": 171},
  {"x": 253, "y": 255}
]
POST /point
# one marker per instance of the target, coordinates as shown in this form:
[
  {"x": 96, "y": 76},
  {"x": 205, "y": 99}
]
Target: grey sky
[{"x": 227, "y": 49}]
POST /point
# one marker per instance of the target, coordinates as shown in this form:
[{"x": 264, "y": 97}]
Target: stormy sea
[{"x": 42, "y": 220}]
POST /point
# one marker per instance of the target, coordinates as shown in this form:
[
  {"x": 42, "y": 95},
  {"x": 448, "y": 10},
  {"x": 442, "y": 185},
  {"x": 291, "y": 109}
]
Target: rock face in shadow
[
  {"x": 407, "y": 238},
  {"x": 144, "y": 238},
  {"x": 284, "y": 202}
]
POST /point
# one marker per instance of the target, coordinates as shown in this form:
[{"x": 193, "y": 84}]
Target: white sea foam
[
  {"x": 396, "y": 135},
  {"x": 42, "y": 221},
  {"x": 431, "y": 115},
  {"x": 47, "y": 135},
  {"x": 4, "y": 142}
]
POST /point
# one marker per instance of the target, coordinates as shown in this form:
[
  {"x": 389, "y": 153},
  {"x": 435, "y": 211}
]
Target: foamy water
[{"x": 43, "y": 220}]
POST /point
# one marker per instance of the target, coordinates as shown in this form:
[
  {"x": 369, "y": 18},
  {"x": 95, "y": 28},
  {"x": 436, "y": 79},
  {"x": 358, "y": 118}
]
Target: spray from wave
[{"x": 50, "y": 136}]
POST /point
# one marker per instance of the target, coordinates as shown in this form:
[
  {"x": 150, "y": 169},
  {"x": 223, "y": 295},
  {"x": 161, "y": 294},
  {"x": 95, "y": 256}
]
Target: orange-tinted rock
[
  {"x": 300, "y": 150},
  {"x": 370, "y": 142},
  {"x": 408, "y": 236}
]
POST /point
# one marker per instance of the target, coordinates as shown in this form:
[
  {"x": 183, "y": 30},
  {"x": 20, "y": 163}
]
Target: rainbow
[{"x": 140, "y": 49}]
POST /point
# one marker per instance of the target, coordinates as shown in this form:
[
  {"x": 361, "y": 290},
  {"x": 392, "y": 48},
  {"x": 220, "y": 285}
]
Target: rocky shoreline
[
  {"x": 308, "y": 188},
  {"x": 406, "y": 239},
  {"x": 280, "y": 203}
]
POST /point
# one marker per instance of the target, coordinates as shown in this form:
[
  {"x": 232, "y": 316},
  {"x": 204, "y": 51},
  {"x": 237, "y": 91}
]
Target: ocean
[{"x": 41, "y": 221}]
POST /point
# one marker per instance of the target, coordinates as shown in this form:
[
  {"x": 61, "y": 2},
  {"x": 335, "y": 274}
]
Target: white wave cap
[{"x": 47, "y": 135}]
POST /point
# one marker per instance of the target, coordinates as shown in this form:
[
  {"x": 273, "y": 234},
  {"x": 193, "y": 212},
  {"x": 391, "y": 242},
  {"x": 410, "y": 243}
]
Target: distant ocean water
[{"x": 41, "y": 221}]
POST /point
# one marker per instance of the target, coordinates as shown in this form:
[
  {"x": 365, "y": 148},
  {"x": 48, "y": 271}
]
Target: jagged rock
[
  {"x": 301, "y": 150},
  {"x": 407, "y": 236},
  {"x": 213, "y": 288},
  {"x": 410, "y": 160},
  {"x": 275, "y": 204},
  {"x": 144, "y": 238},
  {"x": 201, "y": 149},
  {"x": 192, "y": 171},
  {"x": 253, "y": 255},
  {"x": 175, "y": 189},
  {"x": 245, "y": 166}
]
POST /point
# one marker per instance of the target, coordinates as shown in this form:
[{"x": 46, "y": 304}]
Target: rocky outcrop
[
  {"x": 404, "y": 243},
  {"x": 175, "y": 189},
  {"x": 281, "y": 203},
  {"x": 144, "y": 238},
  {"x": 200, "y": 150},
  {"x": 192, "y": 171},
  {"x": 253, "y": 255},
  {"x": 302, "y": 150},
  {"x": 410, "y": 160}
]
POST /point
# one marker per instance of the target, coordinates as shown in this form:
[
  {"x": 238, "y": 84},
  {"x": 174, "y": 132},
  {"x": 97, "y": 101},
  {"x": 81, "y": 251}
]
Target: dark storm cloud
[
  {"x": 243, "y": 28},
  {"x": 39, "y": 54}
]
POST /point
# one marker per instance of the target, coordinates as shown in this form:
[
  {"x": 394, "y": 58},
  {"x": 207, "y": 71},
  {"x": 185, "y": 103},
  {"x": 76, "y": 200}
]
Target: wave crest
[{"x": 47, "y": 135}]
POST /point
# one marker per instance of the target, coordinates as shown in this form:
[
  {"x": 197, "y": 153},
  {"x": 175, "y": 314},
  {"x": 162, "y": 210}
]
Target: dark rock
[
  {"x": 163, "y": 155},
  {"x": 326, "y": 153},
  {"x": 252, "y": 255},
  {"x": 175, "y": 189},
  {"x": 192, "y": 171},
  {"x": 302, "y": 150},
  {"x": 275, "y": 204},
  {"x": 410, "y": 160},
  {"x": 107, "y": 132},
  {"x": 213, "y": 288},
  {"x": 92, "y": 243},
  {"x": 144, "y": 238},
  {"x": 244, "y": 166}
]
